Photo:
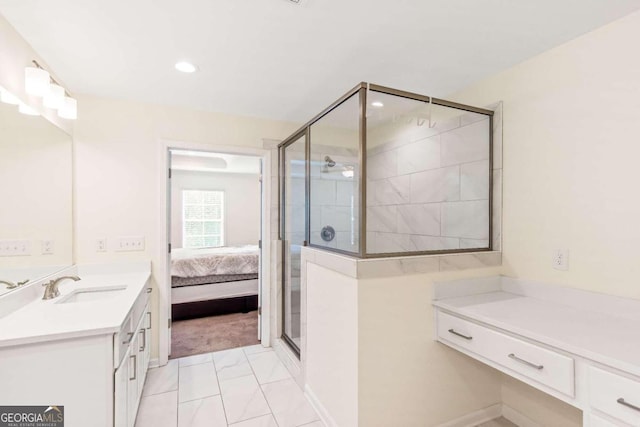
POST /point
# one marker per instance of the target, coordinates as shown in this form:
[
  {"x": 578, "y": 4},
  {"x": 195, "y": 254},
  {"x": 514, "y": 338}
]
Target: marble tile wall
[
  {"x": 334, "y": 198},
  {"x": 429, "y": 189}
]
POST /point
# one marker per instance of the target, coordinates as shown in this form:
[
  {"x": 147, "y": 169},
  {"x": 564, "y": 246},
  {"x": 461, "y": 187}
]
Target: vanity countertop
[
  {"x": 577, "y": 324},
  {"x": 54, "y": 319}
]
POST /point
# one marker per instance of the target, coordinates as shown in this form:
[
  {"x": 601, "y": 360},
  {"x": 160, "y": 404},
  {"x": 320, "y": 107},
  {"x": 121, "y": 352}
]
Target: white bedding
[{"x": 210, "y": 261}]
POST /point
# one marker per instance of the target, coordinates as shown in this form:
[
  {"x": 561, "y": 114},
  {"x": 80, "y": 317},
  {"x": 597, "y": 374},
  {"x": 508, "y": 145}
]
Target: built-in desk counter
[{"x": 581, "y": 347}]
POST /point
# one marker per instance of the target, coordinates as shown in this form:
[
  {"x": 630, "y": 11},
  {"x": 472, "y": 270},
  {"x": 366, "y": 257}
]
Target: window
[{"x": 202, "y": 219}]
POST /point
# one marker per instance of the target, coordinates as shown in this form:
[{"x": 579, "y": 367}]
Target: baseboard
[
  {"x": 320, "y": 409},
  {"x": 517, "y": 418},
  {"x": 154, "y": 363},
  {"x": 290, "y": 361},
  {"x": 477, "y": 417}
]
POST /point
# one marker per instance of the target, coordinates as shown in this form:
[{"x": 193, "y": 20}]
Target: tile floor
[{"x": 242, "y": 387}]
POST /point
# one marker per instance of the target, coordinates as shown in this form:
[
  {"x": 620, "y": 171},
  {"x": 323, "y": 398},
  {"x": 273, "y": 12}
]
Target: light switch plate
[
  {"x": 15, "y": 248},
  {"x": 127, "y": 244}
]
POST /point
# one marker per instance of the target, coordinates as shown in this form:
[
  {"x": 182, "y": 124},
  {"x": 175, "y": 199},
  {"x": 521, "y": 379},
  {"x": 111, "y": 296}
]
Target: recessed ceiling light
[
  {"x": 377, "y": 104},
  {"x": 186, "y": 67}
]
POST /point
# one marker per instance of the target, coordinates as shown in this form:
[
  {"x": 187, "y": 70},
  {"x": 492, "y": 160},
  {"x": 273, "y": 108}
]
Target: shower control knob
[{"x": 327, "y": 233}]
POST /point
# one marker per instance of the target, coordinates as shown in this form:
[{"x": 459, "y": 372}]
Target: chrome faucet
[
  {"x": 51, "y": 288},
  {"x": 11, "y": 285}
]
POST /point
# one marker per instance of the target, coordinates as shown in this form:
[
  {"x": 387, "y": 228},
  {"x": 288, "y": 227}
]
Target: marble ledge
[{"x": 398, "y": 266}]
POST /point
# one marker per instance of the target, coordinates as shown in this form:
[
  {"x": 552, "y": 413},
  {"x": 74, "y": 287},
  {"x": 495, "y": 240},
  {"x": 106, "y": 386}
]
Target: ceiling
[{"x": 287, "y": 61}]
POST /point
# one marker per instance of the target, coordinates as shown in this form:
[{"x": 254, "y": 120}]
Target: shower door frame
[
  {"x": 282, "y": 219},
  {"x": 363, "y": 88}
]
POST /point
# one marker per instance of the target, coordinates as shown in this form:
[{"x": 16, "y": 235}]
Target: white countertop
[
  {"x": 49, "y": 320},
  {"x": 593, "y": 334}
]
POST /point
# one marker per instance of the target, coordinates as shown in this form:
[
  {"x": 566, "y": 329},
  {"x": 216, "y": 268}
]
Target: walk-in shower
[{"x": 380, "y": 173}]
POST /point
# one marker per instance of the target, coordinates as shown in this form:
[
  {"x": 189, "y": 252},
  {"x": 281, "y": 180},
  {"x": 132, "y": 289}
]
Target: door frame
[{"x": 161, "y": 271}]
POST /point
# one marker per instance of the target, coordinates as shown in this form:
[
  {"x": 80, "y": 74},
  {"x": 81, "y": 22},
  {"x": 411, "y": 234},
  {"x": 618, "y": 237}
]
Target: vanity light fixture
[
  {"x": 54, "y": 99},
  {"x": 377, "y": 104},
  {"x": 186, "y": 67},
  {"x": 25, "y": 109},
  {"x": 69, "y": 109},
  {"x": 38, "y": 82},
  {"x": 8, "y": 98}
]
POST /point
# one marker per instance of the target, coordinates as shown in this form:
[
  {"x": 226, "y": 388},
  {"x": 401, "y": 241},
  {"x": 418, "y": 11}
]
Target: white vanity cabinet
[
  {"x": 92, "y": 358},
  {"x": 580, "y": 347},
  {"x": 133, "y": 344}
]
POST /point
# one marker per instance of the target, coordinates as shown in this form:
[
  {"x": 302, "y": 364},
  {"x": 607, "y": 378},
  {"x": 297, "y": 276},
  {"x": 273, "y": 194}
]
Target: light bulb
[
  {"x": 8, "y": 98},
  {"x": 36, "y": 81},
  {"x": 55, "y": 98},
  {"x": 69, "y": 109},
  {"x": 25, "y": 109}
]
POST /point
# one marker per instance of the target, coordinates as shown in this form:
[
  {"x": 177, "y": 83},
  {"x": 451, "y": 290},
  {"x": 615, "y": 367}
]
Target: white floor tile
[
  {"x": 231, "y": 364},
  {"x": 207, "y": 412},
  {"x": 264, "y": 421},
  {"x": 268, "y": 367},
  {"x": 197, "y": 382},
  {"x": 258, "y": 348},
  {"x": 243, "y": 399},
  {"x": 159, "y": 410},
  {"x": 288, "y": 403},
  {"x": 161, "y": 380},
  {"x": 314, "y": 424},
  {"x": 196, "y": 359}
]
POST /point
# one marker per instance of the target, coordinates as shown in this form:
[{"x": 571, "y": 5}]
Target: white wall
[
  {"x": 241, "y": 198},
  {"x": 406, "y": 378},
  {"x": 332, "y": 342},
  {"x": 118, "y": 172},
  {"x": 571, "y": 150}
]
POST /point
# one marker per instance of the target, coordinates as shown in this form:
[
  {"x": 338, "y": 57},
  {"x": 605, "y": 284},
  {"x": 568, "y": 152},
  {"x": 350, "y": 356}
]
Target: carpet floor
[{"x": 214, "y": 333}]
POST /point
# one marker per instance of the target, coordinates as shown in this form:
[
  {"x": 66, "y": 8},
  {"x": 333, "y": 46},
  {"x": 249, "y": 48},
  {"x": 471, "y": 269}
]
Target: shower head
[{"x": 329, "y": 162}]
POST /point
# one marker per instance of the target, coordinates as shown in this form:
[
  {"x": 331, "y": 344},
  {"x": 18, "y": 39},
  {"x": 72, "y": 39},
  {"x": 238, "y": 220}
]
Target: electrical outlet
[
  {"x": 101, "y": 245},
  {"x": 560, "y": 259},
  {"x": 126, "y": 244},
  {"x": 15, "y": 247},
  {"x": 47, "y": 247}
]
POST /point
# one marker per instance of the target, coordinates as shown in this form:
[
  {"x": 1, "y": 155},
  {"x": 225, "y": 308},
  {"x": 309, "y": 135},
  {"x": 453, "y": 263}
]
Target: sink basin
[{"x": 85, "y": 295}]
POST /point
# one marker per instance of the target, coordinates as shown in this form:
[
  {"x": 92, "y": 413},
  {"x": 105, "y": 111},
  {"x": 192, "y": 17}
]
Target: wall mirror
[{"x": 36, "y": 228}]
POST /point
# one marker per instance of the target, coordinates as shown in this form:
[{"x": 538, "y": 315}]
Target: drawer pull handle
[
  {"x": 127, "y": 342},
  {"x": 525, "y": 362},
  {"x": 628, "y": 405},
  {"x": 143, "y": 347},
  {"x": 458, "y": 334},
  {"x": 135, "y": 367}
]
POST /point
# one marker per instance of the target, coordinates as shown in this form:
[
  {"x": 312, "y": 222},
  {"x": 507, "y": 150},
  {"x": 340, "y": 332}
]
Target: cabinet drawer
[
  {"x": 614, "y": 395},
  {"x": 539, "y": 364},
  {"x": 596, "y": 421}
]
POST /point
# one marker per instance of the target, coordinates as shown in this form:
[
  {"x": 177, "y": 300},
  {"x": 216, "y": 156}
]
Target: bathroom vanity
[
  {"x": 87, "y": 349},
  {"x": 580, "y": 347}
]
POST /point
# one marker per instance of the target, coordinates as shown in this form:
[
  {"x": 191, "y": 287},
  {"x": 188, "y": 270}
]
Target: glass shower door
[{"x": 293, "y": 234}]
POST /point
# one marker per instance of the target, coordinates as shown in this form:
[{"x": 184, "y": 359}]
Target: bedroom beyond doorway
[{"x": 215, "y": 227}]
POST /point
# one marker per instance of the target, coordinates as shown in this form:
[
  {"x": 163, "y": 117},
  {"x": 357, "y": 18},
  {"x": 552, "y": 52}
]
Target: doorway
[{"x": 215, "y": 264}]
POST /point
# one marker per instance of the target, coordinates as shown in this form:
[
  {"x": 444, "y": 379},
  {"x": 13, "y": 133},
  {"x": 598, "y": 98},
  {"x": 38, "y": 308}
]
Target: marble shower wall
[
  {"x": 334, "y": 197},
  {"x": 428, "y": 188}
]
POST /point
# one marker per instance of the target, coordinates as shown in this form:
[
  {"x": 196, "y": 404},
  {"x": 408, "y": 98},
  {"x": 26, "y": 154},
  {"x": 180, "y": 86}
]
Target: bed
[{"x": 212, "y": 281}]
